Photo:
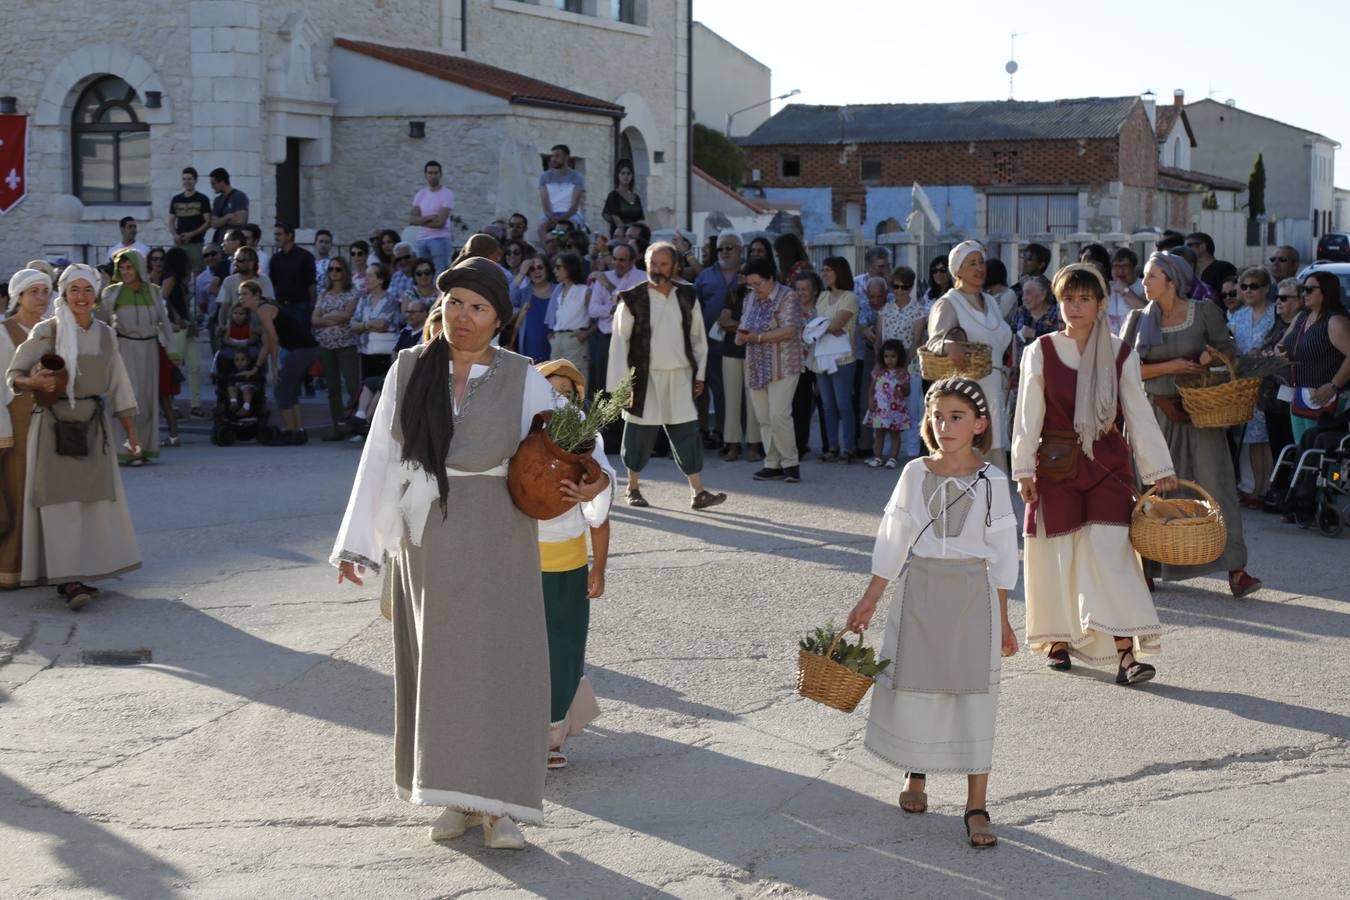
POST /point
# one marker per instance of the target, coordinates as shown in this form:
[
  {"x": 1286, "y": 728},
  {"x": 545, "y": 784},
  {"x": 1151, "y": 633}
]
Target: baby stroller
[
  {"x": 230, "y": 424},
  {"x": 1309, "y": 479}
]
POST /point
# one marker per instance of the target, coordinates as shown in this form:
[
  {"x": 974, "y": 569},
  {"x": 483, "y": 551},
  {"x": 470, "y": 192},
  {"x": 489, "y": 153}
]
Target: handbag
[
  {"x": 1302, "y": 406},
  {"x": 72, "y": 438},
  {"x": 380, "y": 343},
  {"x": 1057, "y": 456}
]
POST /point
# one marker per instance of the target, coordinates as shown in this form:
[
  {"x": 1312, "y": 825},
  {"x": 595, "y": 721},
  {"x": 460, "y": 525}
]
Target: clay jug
[
  {"x": 53, "y": 363},
  {"x": 538, "y": 469}
]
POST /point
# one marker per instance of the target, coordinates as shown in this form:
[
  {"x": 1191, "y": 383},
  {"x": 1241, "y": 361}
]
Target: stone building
[{"x": 324, "y": 114}]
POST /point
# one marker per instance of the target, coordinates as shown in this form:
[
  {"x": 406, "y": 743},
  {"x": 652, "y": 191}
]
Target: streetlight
[{"x": 731, "y": 115}]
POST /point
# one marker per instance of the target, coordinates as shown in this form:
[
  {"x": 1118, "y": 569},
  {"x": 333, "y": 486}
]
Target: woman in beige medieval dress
[
  {"x": 76, "y": 524},
  {"x": 30, "y": 296},
  {"x": 135, "y": 310}
]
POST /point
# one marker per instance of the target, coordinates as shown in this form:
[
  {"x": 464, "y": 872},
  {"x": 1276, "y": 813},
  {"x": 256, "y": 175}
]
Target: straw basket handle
[
  {"x": 1232, "y": 369},
  {"x": 1181, "y": 482},
  {"x": 829, "y": 654}
]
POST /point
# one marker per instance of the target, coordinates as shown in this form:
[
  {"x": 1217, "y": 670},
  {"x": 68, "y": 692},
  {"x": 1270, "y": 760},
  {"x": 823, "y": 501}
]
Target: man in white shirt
[
  {"x": 129, "y": 242},
  {"x": 605, "y": 290},
  {"x": 659, "y": 333},
  {"x": 562, "y": 190},
  {"x": 431, "y": 210}
]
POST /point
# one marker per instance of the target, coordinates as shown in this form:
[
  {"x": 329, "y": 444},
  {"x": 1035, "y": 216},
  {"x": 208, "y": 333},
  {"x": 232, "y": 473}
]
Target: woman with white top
[
  {"x": 569, "y": 318},
  {"x": 977, "y": 313},
  {"x": 471, "y": 660},
  {"x": 1081, "y": 391}
]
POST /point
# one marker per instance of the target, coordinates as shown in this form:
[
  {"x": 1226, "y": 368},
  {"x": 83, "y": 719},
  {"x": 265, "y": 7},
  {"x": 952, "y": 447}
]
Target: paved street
[{"x": 251, "y": 757}]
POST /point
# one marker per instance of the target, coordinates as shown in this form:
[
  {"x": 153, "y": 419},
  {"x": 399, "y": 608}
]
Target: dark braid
[{"x": 427, "y": 417}]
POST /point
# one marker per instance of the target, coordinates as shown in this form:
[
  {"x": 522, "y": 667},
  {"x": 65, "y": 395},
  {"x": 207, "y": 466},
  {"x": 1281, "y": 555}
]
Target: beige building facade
[{"x": 321, "y": 116}]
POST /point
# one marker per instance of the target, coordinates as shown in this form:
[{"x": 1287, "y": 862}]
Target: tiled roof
[
  {"x": 753, "y": 205},
  {"x": 1185, "y": 179},
  {"x": 1167, "y": 117},
  {"x": 479, "y": 76},
  {"x": 924, "y": 123}
]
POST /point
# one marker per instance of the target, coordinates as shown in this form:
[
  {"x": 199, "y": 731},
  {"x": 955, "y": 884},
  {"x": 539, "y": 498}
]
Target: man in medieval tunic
[{"x": 658, "y": 333}]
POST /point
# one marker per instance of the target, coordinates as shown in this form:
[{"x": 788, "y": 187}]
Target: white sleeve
[
  {"x": 539, "y": 397},
  {"x": 1030, "y": 414},
  {"x": 1001, "y": 535},
  {"x": 896, "y": 532},
  {"x": 698, "y": 339},
  {"x": 618, "y": 347},
  {"x": 597, "y": 511},
  {"x": 1152, "y": 457},
  {"x": 358, "y": 540}
]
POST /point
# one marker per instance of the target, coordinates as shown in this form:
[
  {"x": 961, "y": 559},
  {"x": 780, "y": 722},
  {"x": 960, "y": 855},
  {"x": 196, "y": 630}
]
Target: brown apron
[{"x": 78, "y": 479}]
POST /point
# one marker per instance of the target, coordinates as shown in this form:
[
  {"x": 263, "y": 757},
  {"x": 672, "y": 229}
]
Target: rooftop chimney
[
  {"x": 1150, "y": 109},
  {"x": 1178, "y": 98}
]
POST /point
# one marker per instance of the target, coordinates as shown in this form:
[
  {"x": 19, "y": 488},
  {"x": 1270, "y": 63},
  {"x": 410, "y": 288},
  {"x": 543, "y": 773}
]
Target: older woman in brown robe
[
  {"x": 30, "y": 292},
  {"x": 76, "y": 524}
]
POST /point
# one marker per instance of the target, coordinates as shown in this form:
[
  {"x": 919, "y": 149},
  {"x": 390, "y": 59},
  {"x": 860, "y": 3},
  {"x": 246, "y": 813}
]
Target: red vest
[{"x": 1100, "y": 494}]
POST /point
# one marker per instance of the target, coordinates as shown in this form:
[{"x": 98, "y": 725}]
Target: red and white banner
[{"x": 13, "y": 161}]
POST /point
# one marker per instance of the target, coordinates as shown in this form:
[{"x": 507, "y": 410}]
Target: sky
[{"x": 902, "y": 51}]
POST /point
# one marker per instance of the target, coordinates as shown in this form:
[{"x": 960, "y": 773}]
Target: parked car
[
  {"x": 1340, "y": 269},
  {"x": 1334, "y": 246}
]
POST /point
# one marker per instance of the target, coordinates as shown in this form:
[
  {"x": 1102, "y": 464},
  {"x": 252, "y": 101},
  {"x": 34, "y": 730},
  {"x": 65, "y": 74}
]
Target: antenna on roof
[{"x": 1011, "y": 67}]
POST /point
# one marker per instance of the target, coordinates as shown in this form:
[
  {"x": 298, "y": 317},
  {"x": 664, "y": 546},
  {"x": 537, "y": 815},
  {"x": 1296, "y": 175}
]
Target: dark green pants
[
  {"x": 341, "y": 368},
  {"x": 567, "y": 613},
  {"x": 685, "y": 444}
]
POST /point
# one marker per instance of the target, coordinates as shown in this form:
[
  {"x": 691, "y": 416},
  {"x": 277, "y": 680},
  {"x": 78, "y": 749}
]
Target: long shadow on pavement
[
  {"x": 818, "y": 837},
  {"x": 1188, "y": 605},
  {"x": 94, "y": 857}
]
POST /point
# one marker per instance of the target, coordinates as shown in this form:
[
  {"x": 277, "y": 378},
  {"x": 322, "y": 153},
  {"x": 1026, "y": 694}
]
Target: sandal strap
[{"x": 975, "y": 812}]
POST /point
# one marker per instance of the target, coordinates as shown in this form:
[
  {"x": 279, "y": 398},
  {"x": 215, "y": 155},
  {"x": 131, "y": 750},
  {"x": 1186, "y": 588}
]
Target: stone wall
[
  {"x": 490, "y": 162},
  {"x": 46, "y": 76}
]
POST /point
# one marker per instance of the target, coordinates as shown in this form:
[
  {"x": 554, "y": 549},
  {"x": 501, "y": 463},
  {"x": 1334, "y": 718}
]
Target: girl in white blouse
[{"x": 951, "y": 518}]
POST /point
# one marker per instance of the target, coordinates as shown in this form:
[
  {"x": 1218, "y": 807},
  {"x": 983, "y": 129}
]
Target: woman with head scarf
[
  {"x": 967, "y": 306},
  {"x": 135, "y": 310},
  {"x": 30, "y": 298},
  {"x": 1171, "y": 335},
  {"x": 76, "y": 525},
  {"x": 1080, "y": 388},
  {"x": 471, "y": 680}
]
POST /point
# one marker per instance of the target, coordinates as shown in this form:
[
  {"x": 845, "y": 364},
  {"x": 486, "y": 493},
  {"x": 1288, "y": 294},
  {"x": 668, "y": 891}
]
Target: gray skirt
[{"x": 471, "y": 688}]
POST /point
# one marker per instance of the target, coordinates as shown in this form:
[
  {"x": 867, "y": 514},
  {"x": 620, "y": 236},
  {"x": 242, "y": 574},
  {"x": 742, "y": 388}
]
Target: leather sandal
[
  {"x": 916, "y": 798},
  {"x": 75, "y": 595},
  {"x": 1058, "y": 657},
  {"x": 1136, "y": 672},
  {"x": 556, "y": 759},
  {"x": 635, "y": 498},
  {"x": 980, "y": 830}
]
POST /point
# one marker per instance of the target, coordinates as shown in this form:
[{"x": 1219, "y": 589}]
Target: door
[{"x": 288, "y": 184}]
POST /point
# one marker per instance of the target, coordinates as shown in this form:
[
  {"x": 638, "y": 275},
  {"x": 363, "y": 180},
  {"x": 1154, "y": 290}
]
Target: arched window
[
  {"x": 110, "y": 144},
  {"x": 1176, "y": 153}
]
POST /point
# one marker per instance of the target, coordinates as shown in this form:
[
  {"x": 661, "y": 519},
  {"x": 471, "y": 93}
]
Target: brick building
[
  {"x": 991, "y": 168},
  {"x": 325, "y": 113}
]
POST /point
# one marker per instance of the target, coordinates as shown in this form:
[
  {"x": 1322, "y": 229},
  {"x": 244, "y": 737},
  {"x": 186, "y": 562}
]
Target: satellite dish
[{"x": 1011, "y": 67}]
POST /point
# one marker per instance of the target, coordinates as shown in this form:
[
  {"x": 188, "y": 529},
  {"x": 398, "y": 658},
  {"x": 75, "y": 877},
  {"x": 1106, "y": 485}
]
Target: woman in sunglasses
[
  {"x": 1250, "y": 323},
  {"x": 939, "y": 282},
  {"x": 1318, "y": 347},
  {"x": 531, "y": 331}
]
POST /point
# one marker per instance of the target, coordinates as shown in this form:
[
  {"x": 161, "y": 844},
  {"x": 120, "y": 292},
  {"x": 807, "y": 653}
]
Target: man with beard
[{"x": 659, "y": 334}]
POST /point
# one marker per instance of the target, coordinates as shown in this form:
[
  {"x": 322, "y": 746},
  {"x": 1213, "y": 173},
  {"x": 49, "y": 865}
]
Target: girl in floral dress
[{"x": 888, "y": 413}]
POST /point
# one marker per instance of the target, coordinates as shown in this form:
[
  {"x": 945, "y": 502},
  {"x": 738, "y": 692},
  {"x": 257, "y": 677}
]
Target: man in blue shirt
[{"x": 714, "y": 286}]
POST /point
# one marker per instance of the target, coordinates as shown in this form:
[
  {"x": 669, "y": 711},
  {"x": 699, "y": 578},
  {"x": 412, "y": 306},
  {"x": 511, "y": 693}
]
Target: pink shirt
[
  {"x": 429, "y": 203},
  {"x": 605, "y": 290}
]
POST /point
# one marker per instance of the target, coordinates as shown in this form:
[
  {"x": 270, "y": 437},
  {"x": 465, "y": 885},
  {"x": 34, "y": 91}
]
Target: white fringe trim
[{"x": 471, "y": 803}]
